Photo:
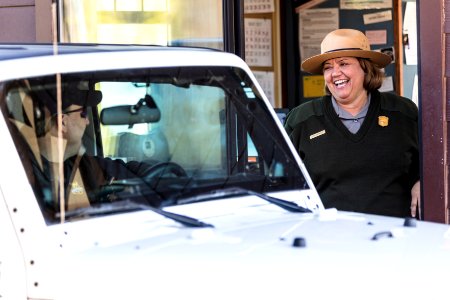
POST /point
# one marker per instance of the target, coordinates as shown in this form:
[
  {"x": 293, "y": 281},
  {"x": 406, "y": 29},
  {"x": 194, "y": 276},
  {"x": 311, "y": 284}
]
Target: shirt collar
[{"x": 343, "y": 114}]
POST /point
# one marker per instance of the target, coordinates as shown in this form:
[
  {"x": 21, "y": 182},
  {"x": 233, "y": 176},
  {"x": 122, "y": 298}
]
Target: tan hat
[{"x": 344, "y": 42}]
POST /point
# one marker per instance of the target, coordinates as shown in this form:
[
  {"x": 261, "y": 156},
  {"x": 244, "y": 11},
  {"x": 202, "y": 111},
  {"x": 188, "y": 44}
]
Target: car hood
[{"x": 255, "y": 250}]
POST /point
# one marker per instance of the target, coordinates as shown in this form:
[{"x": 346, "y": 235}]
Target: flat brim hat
[{"x": 344, "y": 43}]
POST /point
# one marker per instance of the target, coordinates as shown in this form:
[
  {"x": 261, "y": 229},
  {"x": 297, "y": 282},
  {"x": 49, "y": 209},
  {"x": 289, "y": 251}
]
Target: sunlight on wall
[{"x": 157, "y": 22}]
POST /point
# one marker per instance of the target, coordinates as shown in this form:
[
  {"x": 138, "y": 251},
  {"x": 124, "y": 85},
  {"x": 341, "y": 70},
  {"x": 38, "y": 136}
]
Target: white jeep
[{"x": 186, "y": 186}]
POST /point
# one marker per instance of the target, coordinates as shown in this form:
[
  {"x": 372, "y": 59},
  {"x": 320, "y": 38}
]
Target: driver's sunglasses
[{"x": 83, "y": 112}]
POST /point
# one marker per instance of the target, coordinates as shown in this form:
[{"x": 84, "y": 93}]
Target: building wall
[
  {"x": 25, "y": 21},
  {"x": 17, "y": 20}
]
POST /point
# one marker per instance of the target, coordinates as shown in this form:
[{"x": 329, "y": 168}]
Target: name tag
[{"x": 313, "y": 136}]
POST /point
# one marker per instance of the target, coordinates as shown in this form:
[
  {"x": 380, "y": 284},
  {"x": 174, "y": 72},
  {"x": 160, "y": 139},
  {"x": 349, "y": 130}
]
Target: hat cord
[{"x": 341, "y": 49}]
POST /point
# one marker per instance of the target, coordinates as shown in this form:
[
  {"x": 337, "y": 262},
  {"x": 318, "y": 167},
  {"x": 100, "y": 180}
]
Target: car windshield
[{"x": 154, "y": 135}]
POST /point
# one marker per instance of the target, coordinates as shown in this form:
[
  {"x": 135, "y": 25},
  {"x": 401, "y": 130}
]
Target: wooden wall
[{"x": 434, "y": 96}]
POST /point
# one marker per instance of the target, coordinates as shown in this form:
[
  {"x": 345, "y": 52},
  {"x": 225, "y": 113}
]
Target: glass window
[{"x": 157, "y": 22}]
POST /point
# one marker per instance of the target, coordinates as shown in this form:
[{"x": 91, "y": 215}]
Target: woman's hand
[{"x": 415, "y": 199}]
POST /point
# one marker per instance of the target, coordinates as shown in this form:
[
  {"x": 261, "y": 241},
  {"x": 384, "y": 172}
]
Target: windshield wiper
[
  {"x": 237, "y": 191},
  {"x": 128, "y": 206}
]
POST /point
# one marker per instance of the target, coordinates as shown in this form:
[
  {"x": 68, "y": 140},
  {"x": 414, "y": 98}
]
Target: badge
[
  {"x": 77, "y": 189},
  {"x": 383, "y": 121}
]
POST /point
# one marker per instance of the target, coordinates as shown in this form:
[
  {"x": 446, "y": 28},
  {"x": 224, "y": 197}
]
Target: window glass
[{"x": 157, "y": 22}]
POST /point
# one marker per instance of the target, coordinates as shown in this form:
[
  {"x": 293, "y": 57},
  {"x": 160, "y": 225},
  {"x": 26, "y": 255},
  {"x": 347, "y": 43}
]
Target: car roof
[
  {"x": 23, "y": 60},
  {"x": 17, "y": 51}
]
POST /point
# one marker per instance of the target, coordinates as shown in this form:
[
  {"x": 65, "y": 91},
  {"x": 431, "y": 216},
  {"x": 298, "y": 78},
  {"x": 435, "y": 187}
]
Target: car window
[{"x": 152, "y": 135}]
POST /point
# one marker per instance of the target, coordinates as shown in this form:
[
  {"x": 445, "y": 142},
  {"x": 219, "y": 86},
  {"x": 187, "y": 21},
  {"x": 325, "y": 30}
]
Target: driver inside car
[{"x": 84, "y": 175}]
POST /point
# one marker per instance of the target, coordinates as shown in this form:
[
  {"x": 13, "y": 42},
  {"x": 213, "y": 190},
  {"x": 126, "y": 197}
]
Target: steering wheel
[{"x": 162, "y": 168}]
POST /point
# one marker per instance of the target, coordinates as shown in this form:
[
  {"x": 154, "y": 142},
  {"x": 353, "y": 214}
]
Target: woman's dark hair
[{"x": 373, "y": 78}]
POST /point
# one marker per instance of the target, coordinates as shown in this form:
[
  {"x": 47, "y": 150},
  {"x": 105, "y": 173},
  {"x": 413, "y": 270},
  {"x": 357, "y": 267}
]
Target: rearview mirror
[{"x": 128, "y": 115}]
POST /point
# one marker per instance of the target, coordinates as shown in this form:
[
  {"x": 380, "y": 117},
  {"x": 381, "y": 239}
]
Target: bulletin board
[
  {"x": 261, "y": 46},
  {"x": 377, "y": 19}
]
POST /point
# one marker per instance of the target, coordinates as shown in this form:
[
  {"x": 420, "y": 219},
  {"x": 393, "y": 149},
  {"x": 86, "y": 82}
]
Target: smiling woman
[{"x": 373, "y": 163}]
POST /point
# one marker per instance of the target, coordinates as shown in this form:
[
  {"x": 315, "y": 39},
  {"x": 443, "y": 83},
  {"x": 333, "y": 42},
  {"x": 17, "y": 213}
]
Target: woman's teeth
[{"x": 340, "y": 82}]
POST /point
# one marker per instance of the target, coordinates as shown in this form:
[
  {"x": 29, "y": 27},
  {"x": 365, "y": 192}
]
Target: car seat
[{"x": 152, "y": 147}]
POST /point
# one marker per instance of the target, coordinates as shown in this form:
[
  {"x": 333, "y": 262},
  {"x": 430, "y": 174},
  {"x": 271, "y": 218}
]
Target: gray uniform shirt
[{"x": 353, "y": 123}]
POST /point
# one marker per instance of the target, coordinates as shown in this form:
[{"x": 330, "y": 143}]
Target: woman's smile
[{"x": 344, "y": 78}]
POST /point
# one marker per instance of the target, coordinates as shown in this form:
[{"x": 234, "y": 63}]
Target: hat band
[{"x": 342, "y": 49}]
